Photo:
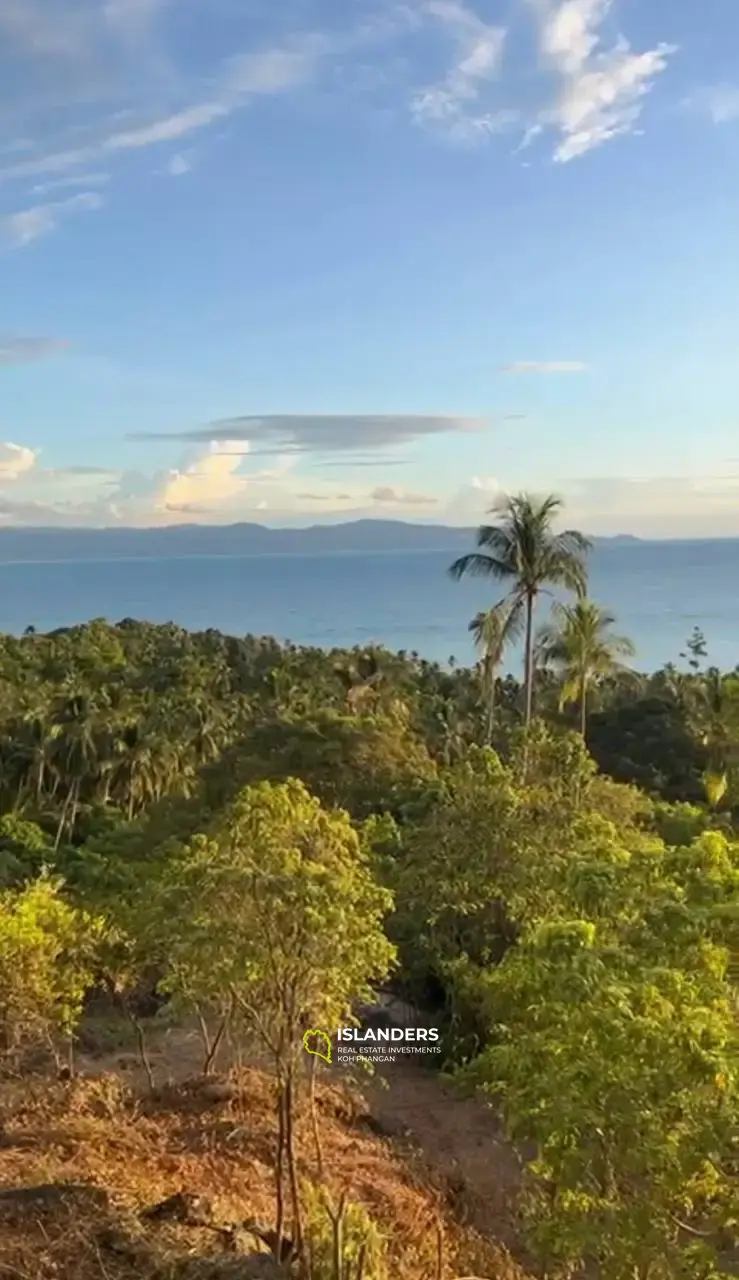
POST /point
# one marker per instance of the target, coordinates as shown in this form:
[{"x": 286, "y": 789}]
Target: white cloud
[
  {"x": 472, "y": 501},
  {"x": 179, "y": 165},
  {"x": 211, "y": 479},
  {"x": 601, "y": 90},
  {"x": 218, "y": 485},
  {"x": 452, "y": 103},
  {"x": 77, "y": 62},
  {"x": 278, "y": 69},
  {"x": 15, "y": 460},
  {"x": 545, "y": 366},
  {"x": 169, "y": 128},
  {"x": 73, "y": 180},
  {"x": 25, "y": 226},
  {"x": 272, "y": 70}
]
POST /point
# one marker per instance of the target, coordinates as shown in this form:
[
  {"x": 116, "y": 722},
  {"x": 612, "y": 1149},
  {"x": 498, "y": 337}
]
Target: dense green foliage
[{"x": 262, "y": 831}]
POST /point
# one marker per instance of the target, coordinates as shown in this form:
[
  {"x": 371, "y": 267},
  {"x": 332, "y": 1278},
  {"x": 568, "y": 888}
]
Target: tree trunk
[
  {"x": 314, "y": 1115},
  {"x": 63, "y": 819},
  {"x": 291, "y": 1161},
  {"x": 280, "y": 1173},
  {"x": 583, "y": 706},
  {"x": 211, "y": 1050},
  {"x": 529, "y": 657},
  {"x": 491, "y": 710},
  {"x": 74, "y": 807}
]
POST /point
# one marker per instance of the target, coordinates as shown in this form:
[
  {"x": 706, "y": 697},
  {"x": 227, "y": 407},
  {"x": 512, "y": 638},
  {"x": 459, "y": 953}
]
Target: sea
[{"x": 658, "y": 592}]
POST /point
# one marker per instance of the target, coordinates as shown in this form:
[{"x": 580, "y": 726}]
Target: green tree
[
  {"x": 277, "y": 915},
  {"x": 47, "y": 950},
  {"x": 75, "y": 731},
  {"x": 493, "y": 631},
  {"x": 578, "y": 644},
  {"x": 621, "y": 1077},
  {"x": 24, "y": 849},
  {"x": 523, "y": 549}
]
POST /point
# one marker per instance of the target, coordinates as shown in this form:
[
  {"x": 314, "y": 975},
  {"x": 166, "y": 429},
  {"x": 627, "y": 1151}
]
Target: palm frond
[
  {"x": 493, "y": 629},
  {"x": 478, "y": 565}
]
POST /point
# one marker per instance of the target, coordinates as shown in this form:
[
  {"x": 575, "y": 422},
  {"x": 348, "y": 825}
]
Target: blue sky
[{"x": 329, "y": 258}]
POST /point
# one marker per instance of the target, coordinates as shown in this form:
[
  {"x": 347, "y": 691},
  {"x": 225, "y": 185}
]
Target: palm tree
[
  {"x": 73, "y": 732},
  {"x": 523, "y": 550},
  {"x": 493, "y": 630},
  {"x": 577, "y": 643}
]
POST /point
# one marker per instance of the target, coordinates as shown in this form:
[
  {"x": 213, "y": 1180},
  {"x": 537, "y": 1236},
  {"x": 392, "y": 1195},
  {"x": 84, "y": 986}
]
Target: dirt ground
[
  {"x": 417, "y": 1156},
  {"x": 459, "y": 1137}
]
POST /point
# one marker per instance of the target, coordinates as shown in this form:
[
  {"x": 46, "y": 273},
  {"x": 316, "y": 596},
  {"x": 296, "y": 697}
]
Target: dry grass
[{"x": 101, "y": 1129}]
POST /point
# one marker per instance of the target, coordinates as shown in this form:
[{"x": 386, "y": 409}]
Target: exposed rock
[
  {"x": 190, "y": 1210},
  {"x": 383, "y": 1128},
  {"x": 218, "y": 1091},
  {"x": 51, "y": 1197}
]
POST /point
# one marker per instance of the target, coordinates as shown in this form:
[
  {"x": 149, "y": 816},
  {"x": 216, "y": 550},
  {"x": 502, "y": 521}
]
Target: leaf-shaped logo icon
[{"x": 318, "y": 1043}]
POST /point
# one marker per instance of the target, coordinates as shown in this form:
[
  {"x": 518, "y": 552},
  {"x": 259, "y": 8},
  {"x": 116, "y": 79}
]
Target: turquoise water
[{"x": 658, "y": 590}]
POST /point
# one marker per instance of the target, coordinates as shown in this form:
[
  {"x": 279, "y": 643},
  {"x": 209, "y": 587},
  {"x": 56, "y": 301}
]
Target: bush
[
  {"x": 46, "y": 951},
  {"x": 343, "y": 1241}
]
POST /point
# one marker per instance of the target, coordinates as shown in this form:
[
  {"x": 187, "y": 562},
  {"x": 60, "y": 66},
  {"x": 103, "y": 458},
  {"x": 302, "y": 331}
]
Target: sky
[{"x": 318, "y": 260}]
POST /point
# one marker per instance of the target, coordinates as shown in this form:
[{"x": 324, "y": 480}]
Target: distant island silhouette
[{"x": 52, "y": 543}]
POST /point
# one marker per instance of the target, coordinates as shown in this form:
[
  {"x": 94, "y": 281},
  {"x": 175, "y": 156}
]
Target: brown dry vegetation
[{"x": 449, "y": 1174}]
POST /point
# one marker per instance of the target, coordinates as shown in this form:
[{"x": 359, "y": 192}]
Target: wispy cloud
[
  {"x": 720, "y": 102},
  {"x": 40, "y": 28},
  {"x": 324, "y": 433},
  {"x": 452, "y": 103},
  {"x": 86, "y": 180},
  {"x": 168, "y": 128},
  {"x": 386, "y": 495},
  {"x": 19, "y": 350},
  {"x": 26, "y": 225},
  {"x": 244, "y": 77},
  {"x": 132, "y": 20},
  {"x": 544, "y": 366},
  {"x": 179, "y": 165},
  {"x": 601, "y": 89},
  {"x": 100, "y": 82}
]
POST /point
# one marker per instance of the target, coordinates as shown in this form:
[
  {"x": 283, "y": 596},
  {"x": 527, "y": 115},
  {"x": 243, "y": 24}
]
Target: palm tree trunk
[
  {"x": 74, "y": 806},
  {"x": 488, "y": 684},
  {"x": 529, "y": 657},
  {"x": 583, "y": 707},
  {"x": 491, "y": 715},
  {"x": 63, "y": 818}
]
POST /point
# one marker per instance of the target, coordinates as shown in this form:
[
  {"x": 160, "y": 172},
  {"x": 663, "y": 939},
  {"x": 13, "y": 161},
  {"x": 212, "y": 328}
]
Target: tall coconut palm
[
  {"x": 578, "y": 644},
  {"x": 73, "y": 733},
  {"x": 523, "y": 549},
  {"x": 493, "y": 630}
]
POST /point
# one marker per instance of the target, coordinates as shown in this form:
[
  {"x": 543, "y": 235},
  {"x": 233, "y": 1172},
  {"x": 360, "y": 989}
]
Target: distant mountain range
[{"x": 233, "y": 540}]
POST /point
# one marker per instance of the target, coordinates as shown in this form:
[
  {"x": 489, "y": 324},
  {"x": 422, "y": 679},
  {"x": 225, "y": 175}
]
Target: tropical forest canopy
[{"x": 553, "y": 867}]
